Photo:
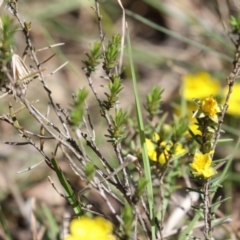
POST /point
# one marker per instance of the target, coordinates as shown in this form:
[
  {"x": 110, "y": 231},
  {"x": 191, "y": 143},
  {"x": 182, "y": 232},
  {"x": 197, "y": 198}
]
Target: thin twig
[
  {"x": 42, "y": 79},
  {"x": 207, "y": 212},
  {"x": 101, "y": 33},
  {"x": 230, "y": 81},
  {"x": 122, "y": 38}
]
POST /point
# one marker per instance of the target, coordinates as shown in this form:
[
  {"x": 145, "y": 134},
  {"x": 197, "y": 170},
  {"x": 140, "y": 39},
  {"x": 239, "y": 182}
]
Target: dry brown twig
[{"x": 59, "y": 130}]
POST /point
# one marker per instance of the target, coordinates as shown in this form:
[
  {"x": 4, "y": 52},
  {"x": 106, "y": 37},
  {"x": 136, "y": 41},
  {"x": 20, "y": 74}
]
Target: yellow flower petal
[
  {"x": 106, "y": 226},
  {"x": 201, "y": 165},
  {"x": 71, "y": 238},
  {"x": 179, "y": 150},
  {"x": 199, "y": 85},
  {"x": 195, "y": 130},
  {"x": 210, "y": 106},
  {"x": 151, "y": 150},
  {"x": 163, "y": 157},
  {"x": 234, "y": 101},
  {"x": 86, "y": 228}
]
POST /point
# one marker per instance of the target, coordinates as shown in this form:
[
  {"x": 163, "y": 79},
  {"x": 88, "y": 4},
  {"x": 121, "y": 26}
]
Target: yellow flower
[
  {"x": 164, "y": 156},
  {"x": 210, "y": 106},
  {"x": 234, "y": 101},
  {"x": 85, "y": 228},
  {"x": 194, "y": 128},
  {"x": 199, "y": 85},
  {"x": 201, "y": 165},
  {"x": 191, "y": 107}
]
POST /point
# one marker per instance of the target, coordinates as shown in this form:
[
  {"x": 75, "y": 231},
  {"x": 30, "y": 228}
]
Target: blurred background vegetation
[{"x": 171, "y": 38}]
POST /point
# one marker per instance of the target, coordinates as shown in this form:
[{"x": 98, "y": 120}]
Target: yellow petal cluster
[
  {"x": 199, "y": 85},
  {"x": 210, "y": 106},
  {"x": 194, "y": 127},
  {"x": 201, "y": 165},
  {"x": 85, "y": 228},
  {"x": 234, "y": 101},
  {"x": 164, "y": 155}
]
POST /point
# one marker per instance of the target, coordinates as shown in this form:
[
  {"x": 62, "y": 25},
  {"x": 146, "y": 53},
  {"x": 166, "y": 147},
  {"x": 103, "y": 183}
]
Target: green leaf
[
  {"x": 128, "y": 218},
  {"x": 68, "y": 190},
  {"x": 141, "y": 186},
  {"x": 146, "y": 163},
  {"x": 77, "y": 113},
  {"x": 89, "y": 170},
  {"x": 153, "y": 102},
  {"x": 4, "y": 225},
  {"x": 93, "y": 58}
]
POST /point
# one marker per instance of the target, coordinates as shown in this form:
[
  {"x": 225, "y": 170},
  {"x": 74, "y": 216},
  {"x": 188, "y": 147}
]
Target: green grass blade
[
  {"x": 4, "y": 225},
  {"x": 185, "y": 233},
  {"x": 225, "y": 171},
  {"x": 56, "y": 8},
  {"x": 178, "y": 36},
  {"x": 51, "y": 222},
  {"x": 147, "y": 170},
  {"x": 69, "y": 192}
]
